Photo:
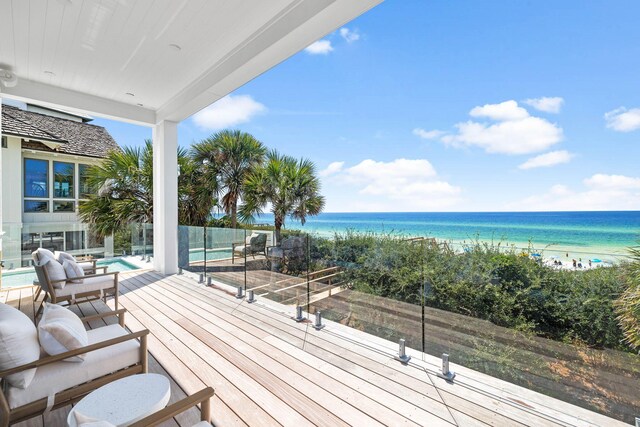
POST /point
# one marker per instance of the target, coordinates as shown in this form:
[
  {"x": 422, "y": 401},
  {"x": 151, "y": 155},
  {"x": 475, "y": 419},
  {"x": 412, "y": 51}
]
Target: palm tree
[
  {"x": 289, "y": 186},
  {"x": 122, "y": 187},
  {"x": 229, "y": 156},
  {"x": 628, "y": 304}
]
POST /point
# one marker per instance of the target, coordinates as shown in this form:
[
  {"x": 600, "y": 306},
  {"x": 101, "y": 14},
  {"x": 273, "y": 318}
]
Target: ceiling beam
[
  {"x": 59, "y": 98},
  {"x": 304, "y": 22}
]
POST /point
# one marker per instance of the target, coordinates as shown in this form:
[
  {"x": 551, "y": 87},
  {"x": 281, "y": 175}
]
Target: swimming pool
[{"x": 24, "y": 277}]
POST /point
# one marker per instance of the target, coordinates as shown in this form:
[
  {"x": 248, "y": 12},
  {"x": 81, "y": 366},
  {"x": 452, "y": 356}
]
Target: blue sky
[{"x": 455, "y": 106}]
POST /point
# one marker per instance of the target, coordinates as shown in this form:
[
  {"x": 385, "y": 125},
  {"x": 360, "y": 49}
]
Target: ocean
[{"x": 580, "y": 234}]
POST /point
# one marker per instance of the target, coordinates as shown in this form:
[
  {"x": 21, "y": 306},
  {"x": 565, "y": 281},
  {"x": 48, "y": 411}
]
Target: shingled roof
[{"x": 77, "y": 138}]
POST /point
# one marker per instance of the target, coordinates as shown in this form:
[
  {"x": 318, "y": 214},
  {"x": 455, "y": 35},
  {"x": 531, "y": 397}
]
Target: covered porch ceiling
[{"x": 149, "y": 61}]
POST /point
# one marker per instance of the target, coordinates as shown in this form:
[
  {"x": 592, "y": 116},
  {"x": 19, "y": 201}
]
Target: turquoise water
[
  {"x": 212, "y": 254},
  {"x": 584, "y": 234},
  {"x": 12, "y": 279}
]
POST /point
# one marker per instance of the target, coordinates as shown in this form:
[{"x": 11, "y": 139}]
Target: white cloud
[
  {"x": 332, "y": 169},
  {"x": 599, "y": 192},
  {"x": 321, "y": 47},
  {"x": 428, "y": 134},
  {"x": 623, "y": 120},
  {"x": 547, "y": 159},
  {"x": 397, "y": 185},
  {"x": 514, "y": 130},
  {"x": 546, "y": 104},
  {"x": 603, "y": 181},
  {"x": 348, "y": 35},
  {"x": 507, "y": 110},
  {"x": 228, "y": 111}
]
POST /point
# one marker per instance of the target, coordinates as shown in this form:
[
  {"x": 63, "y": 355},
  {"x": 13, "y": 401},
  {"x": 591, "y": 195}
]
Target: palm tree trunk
[
  {"x": 234, "y": 213},
  {"x": 278, "y": 225}
]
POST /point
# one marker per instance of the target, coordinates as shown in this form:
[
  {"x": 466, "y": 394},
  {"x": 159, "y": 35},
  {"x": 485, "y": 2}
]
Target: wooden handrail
[{"x": 203, "y": 397}]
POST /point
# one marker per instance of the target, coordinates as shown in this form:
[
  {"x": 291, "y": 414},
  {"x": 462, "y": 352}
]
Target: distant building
[{"x": 45, "y": 155}]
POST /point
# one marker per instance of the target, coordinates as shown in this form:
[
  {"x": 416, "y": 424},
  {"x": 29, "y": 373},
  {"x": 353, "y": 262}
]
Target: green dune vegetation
[{"x": 597, "y": 308}]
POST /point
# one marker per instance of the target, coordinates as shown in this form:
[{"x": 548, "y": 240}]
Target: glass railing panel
[
  {"x": 142, "y": 240},
  {"x": 354, "y": 277},
  {"x": 75, "y": 238},
  {"x": 280, "y": 272},
  {"x": 220, "y": 260},
  {"x": 498, "y": 309}
]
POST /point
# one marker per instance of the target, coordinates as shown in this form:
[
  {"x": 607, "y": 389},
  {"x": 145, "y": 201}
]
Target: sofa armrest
[
  {"x": 202, "y": 397},
  {"x": 88, "y": 276},
  {"x": 47, "y": 360},
  {"x": 117, "y": 313}
]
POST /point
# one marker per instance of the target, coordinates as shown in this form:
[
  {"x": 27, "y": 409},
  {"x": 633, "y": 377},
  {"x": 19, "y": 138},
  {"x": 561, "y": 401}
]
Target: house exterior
[{"x": 45, "y": 155}]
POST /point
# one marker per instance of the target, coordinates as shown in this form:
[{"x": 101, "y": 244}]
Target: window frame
[
  {"x": 24, "y": 180},
  {"x": 72, "y": 190}
]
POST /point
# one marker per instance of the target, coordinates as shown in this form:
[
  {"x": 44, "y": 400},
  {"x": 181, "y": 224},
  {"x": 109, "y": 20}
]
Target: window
[
  {"x": 74, "y": 240},
  {"x": 83, "y": 184},
  {"x": 36, "y": 178},
  {"x": 4, "y": 142},
  {"x": 63, "y": 176},
  {"x": 53, "y": 241},
  {"x": 36, "y": 206},
  {"x": 63, "y": 206}
]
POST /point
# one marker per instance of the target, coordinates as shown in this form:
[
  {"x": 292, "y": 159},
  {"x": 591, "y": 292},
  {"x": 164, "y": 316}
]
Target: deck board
[{"x": 269, "y": 370}]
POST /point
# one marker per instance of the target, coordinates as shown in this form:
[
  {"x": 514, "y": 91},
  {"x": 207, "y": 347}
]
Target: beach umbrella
[
  {"x": 536, "y": 255},
  {"x": 596, "y": 260}
]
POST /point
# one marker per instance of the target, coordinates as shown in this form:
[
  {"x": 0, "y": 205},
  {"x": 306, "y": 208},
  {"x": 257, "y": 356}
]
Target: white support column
[{"x": 165, "y": 197}]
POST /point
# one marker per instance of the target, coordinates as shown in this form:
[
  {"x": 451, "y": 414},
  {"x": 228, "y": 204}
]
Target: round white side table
[{"x": 124, "y": 401}]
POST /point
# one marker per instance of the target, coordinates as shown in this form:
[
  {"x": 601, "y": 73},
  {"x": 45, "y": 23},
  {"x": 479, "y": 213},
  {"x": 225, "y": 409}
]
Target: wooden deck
[{"x": 269, "y": 370}]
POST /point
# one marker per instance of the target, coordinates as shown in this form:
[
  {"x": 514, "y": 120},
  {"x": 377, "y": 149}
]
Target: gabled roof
[{"x": 73, "y": 137}]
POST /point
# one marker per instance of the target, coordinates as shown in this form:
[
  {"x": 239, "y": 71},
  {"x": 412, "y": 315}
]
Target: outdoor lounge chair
[
  {"x": 112, "y": 353},
  {"x": 289, "y": 255},
  {"x": 70, "y": 289},
  {"x": 254, "y": 244},
  {"x": 88, "y": 264},
  {"x": 203, "y": 397}
]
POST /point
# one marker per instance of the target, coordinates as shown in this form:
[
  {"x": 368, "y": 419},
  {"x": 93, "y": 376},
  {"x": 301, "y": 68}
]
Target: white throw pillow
[
  {"x": 55, "y": 271},
  {"x": 42, "y": 255},
  {"x": 72, "y": 269},
  {"x": 61, "y": 330},
  {"x": 18, "y": 344},
  {"x": 85, "y": 421},
  {"x": 61, "y": 257}
]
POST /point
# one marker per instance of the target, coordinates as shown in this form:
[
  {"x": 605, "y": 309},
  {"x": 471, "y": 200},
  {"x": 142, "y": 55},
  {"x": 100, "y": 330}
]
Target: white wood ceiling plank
[
  {"x": 7, "y": 53},
  {"x": 52, "y": 33},
  {"x": 99, "y": 52},
  {"x": 37, "y": 25},
  {"x": 68, "y": 49},
  {"x": 20, "y": 13}
]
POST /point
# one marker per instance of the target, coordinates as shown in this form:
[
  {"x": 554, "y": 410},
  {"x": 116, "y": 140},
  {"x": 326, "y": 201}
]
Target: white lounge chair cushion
[
  {"x": 72, "y": 269},
  {"x": 56, "y": 377},
  {"x": 61, "y": 330},
  {"x": 84, "y": 421},
  {"x": 18, "y": 344},
  {"x": 61, "y": 257},
  {"x": 86, "y": 266},
  {"x": 55, "y": 270},
  {"x": 89, "y": 284}
]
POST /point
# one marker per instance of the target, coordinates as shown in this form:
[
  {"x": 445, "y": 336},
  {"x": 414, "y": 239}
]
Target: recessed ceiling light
[
  {"x": 140, "y": 105},
  {"x": 129, "y": 94},
  {"x": 51, "y": 73},
  {"x": 175, "y": 47}
]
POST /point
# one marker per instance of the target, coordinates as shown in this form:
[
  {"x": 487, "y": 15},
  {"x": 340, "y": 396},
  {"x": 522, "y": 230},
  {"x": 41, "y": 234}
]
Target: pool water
[
  {"x": 212, "y": 254},
  {"x": 12, "y": 279}
]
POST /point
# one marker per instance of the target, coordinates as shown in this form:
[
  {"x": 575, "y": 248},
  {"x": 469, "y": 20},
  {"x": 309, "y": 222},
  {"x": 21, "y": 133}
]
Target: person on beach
[{"x": 589, "y": 263}]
